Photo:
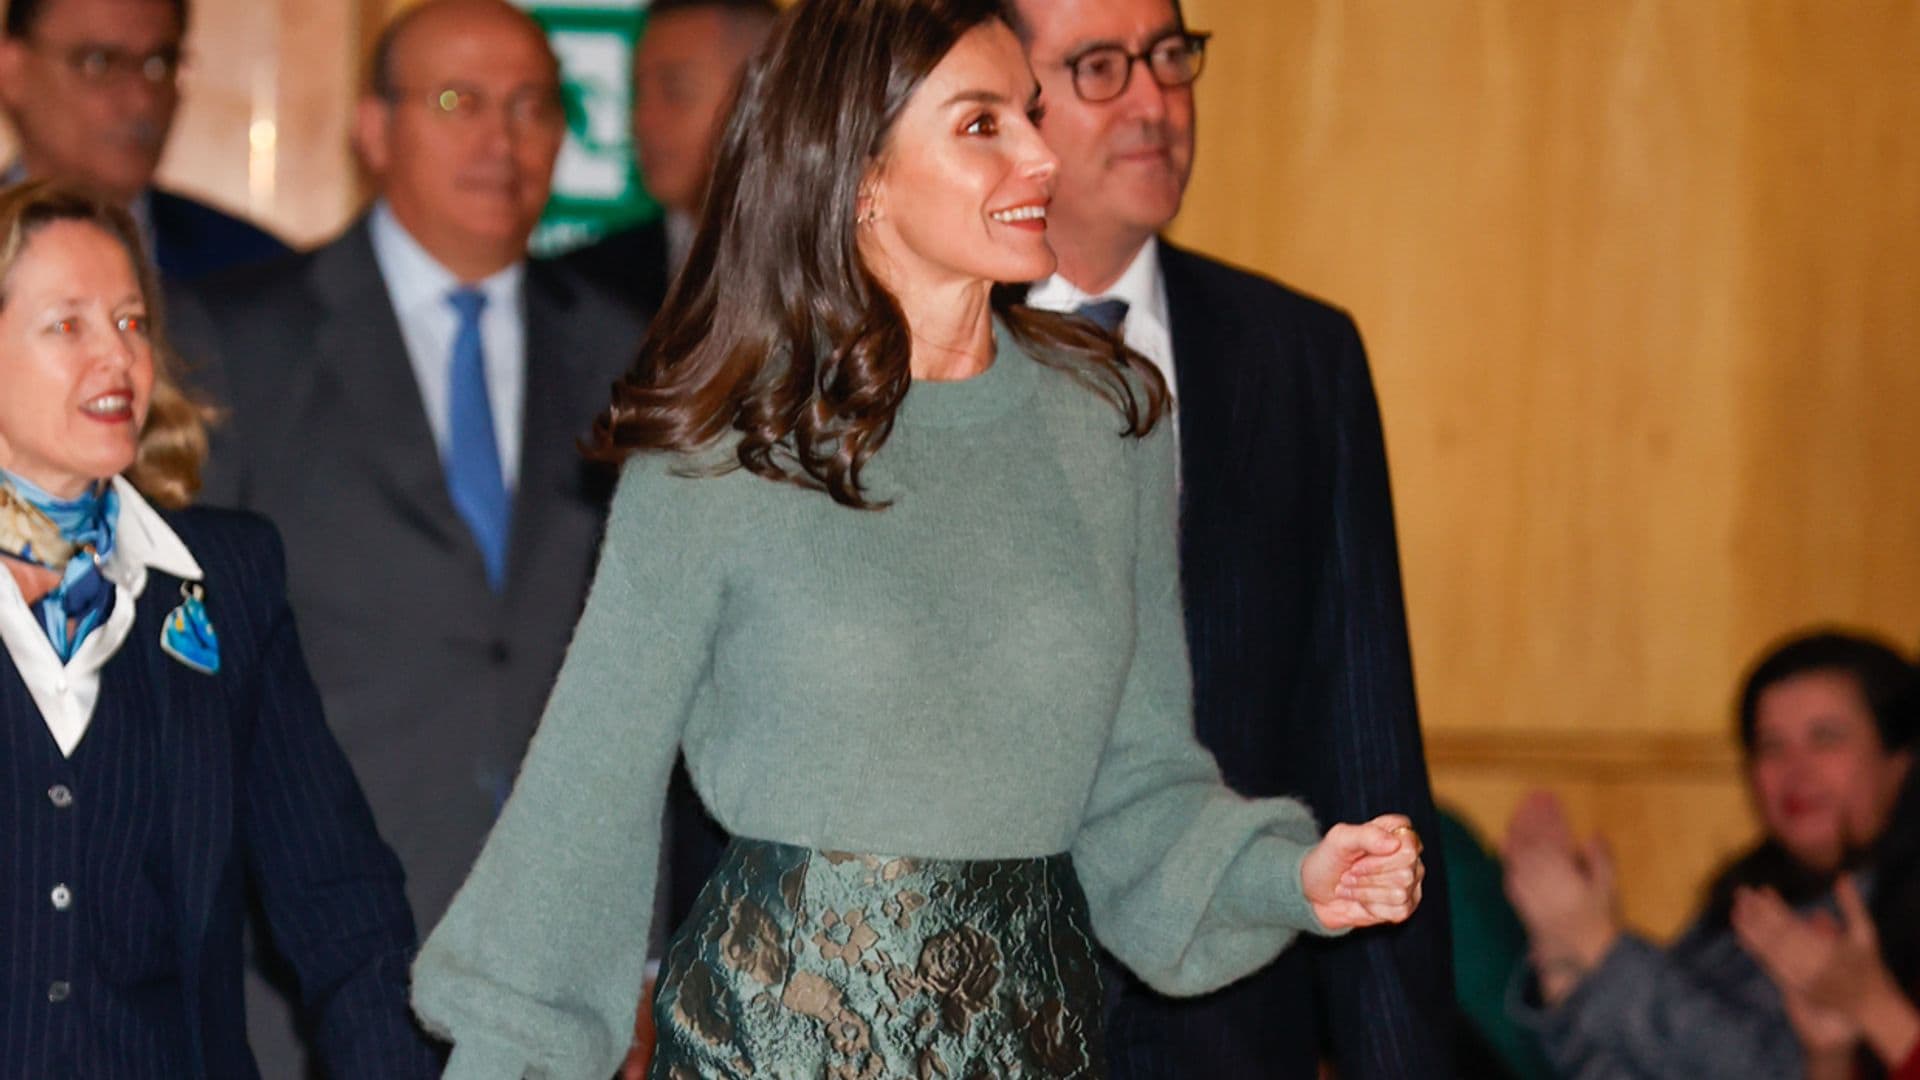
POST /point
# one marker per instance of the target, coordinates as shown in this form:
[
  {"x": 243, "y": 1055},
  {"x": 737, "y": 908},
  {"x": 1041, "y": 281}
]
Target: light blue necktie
[
  {"x": 473, "y": 453},
  {"x": 1106, "y": 314}
]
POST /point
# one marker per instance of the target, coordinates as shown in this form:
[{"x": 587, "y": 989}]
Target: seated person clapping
[
  {"x": 1818, "y": 722},
  {"x": 1851, "y": 977}
]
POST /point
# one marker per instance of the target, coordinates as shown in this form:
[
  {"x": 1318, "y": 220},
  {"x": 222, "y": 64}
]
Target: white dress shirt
[
  {"x": 418, "y": 287},
  {"x": 67, "y": 693},
  {"x": 1148, "y": 330}
]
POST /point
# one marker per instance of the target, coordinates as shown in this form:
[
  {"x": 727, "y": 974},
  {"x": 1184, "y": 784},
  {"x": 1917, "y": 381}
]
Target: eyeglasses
[
  {"x": 102, "y": 65},
  {"x": 1102, "y": 73},
  {"x": 537, "y": 109}
]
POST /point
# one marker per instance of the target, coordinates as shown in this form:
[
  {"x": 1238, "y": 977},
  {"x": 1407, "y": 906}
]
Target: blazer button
[
  {"x": 62, "y": 897},
  {"x": 498, "y": 654},
  {"x": 61, "y": 796},
  {"x": 59, "y": 991}
]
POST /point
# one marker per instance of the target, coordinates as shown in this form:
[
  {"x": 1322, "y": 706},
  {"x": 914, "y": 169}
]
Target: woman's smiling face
[
  {"x": 1822, "y": 781},
  {"x": 75, "y": 360},
  {"x": 961, "y": 191}
]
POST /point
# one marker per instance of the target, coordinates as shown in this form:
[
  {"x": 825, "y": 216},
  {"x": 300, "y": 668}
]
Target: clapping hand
[
  {"x": 1829, "y": 971},
  {"x": 1363, "y": 875},
  {"x": 1562, "y": 891}
]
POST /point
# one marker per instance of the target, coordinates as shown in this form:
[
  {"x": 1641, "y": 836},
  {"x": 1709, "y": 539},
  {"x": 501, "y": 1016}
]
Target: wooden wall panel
[
  {"x": 266, "y": 102},
  {"x": 1637, "y": 278}
]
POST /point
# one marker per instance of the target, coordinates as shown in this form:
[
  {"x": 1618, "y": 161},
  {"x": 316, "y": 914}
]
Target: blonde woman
[{"x": 162, "y": 748}]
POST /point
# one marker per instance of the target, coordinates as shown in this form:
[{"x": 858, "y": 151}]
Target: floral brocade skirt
[{"x": 798, "y": 964}]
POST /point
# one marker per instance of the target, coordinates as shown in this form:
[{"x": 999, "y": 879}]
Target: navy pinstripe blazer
[
  {"x": 262, "y": 798},
  {"x": 1303, "y": 683}
]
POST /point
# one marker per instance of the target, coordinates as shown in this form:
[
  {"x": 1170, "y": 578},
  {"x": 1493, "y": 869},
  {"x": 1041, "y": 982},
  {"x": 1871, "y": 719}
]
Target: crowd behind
[{"x": 405, "y": 404}]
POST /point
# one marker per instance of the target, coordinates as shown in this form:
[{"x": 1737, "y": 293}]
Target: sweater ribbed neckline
[{"x": 978, "y": 399}]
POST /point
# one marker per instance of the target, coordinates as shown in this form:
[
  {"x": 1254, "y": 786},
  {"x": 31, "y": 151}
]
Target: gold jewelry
[{"x": 1418, "y": 847}]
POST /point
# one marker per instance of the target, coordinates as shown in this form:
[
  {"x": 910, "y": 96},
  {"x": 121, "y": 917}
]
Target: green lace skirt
[{"x": 798, "y": 964}]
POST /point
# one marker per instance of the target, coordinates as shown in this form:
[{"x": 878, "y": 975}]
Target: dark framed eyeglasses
[
  {"x": 1103, "y": 72},
  {"x": 101, "y": 65}
]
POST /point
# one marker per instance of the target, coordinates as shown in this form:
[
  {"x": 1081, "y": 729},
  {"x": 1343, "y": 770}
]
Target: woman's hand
[
  {"x": 1562, "y": 891},
  {"x": 1827, "y": 1037},
  {"x": 1795, "y": 950},
  {"x": 1829, "y": 970},
  {"x": 1363, "y": 875}
]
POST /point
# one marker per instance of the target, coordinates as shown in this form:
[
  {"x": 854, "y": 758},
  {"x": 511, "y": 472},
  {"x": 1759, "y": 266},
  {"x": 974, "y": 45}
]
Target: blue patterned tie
[
  {"x": 1106, "y": 314},
  {"x": 473, "y": 453}
]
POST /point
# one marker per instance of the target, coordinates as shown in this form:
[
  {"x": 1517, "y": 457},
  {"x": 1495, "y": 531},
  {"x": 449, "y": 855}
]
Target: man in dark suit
[
  {"x": 1302, "y": 680},
  {"x": 685, "y": 69},
  {"x": 404, "y": 403},
  {"x": 91, "y": 88}
]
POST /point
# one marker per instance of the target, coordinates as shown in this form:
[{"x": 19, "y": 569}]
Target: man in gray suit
[{"x": 404, "y": 404}]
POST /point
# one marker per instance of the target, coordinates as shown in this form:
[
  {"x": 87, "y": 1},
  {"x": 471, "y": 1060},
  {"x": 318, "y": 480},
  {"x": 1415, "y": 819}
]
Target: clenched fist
[{"x": 1363, "y": 875}]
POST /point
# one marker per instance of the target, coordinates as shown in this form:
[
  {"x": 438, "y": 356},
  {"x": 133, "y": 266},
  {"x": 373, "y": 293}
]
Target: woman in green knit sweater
[{"x": 892, "y": 560}]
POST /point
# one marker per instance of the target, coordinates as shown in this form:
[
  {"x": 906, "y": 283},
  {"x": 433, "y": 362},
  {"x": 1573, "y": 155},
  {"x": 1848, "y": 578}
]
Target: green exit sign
[{"x": 597, "y": 186}]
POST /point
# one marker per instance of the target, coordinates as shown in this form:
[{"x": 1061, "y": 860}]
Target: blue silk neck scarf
[{"x": 70, "y": 537}]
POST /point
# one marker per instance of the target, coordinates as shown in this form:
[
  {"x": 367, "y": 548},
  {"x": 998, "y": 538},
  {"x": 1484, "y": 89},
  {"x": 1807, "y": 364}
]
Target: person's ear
[
  {"x": 866, "y": 207},
  {"x": 373, "y": 133},
  {"x": 869, "y": 206}
]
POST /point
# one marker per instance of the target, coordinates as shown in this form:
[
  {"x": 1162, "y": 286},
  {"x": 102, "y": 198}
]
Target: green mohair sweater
[{"x": 994, "y": 666}]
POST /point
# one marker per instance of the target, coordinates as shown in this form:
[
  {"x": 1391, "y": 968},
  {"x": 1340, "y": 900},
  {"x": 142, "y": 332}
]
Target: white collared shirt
[
  {"x": 418, "y": 286},
  {"x": 67, "y": 693},
  {"x": 1148, "y": 330}
]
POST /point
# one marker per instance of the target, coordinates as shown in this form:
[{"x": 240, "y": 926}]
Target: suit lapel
[
  {"x": 562, "y": 354},
  {"x": 1201, "y": 372},
  {"x": 365, "y": 357}
]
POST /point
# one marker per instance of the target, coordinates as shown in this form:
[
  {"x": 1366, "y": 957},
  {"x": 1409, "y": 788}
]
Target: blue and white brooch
[{"x": 188, "y": 634}]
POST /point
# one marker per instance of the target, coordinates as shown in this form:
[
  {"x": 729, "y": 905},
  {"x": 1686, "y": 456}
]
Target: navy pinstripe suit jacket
[
  {"x": 261, "y": 797},
  {"x": 1303, "y": 683}
]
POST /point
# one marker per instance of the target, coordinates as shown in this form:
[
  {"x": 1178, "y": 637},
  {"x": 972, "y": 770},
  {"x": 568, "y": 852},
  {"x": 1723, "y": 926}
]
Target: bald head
[
  {"x": 382, "y": 74},
  {"x": 460, "y": 129}
]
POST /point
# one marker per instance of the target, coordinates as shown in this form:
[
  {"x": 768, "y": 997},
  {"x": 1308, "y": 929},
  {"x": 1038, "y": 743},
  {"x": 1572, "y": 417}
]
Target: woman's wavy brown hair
[
  {"x": 776, "y": 329},
  {"x": 173, "y": 444}
]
